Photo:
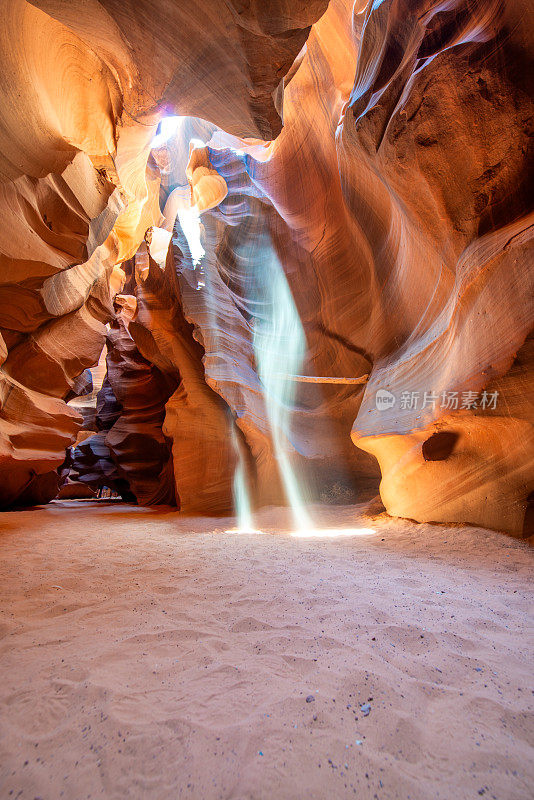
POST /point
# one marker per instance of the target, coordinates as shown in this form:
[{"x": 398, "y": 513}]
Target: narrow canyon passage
[{"x": 150, "y": 655}]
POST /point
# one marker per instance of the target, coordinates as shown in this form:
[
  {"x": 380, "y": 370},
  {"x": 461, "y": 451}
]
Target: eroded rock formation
[
  {"x": 85, "y": 86},
  {"x": 391, "y": 211}
]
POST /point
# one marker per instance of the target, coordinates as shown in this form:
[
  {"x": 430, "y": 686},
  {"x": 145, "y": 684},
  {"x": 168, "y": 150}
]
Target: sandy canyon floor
[{"x": 148, "y": 655}]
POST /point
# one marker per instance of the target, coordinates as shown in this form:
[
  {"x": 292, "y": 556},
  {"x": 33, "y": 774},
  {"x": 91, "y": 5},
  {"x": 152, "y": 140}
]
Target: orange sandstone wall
[
  {"x": 84, "y": 86},
  {"x": 395, "y": 199}
]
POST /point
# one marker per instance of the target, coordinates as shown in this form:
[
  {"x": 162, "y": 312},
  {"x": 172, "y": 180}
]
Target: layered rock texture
[
  {"x": 380, "y": 242},
  {"x": 85, "y": 85}
]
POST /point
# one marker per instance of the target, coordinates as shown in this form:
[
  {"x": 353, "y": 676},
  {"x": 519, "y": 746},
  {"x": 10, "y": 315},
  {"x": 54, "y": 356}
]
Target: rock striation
[
  {"x": 81, "y": 104},
  {"x": 385, "y": 231},
  {"x": 404, "y": 256}
]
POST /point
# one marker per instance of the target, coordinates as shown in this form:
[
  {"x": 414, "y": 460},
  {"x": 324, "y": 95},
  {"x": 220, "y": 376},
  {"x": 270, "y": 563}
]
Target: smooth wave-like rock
[
  {"x": 136, "y": 441},
  {"x": 402, "y": 221},
  {"x": 80, "y": 101},
  {"x": 390, "y": 218},
  {"x": 197, "y": 420}
]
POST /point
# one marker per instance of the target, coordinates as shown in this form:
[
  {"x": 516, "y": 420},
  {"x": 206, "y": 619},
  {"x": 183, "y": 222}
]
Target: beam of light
[
  {"x": 332, "y": 533},
  {"x": 190, "y": 222},
  {"x": 278, "y": 341},
  {"x": 167, "y": 128},
  {"x": 279, "y": 347},
  {"x": 242, "y": 502}
]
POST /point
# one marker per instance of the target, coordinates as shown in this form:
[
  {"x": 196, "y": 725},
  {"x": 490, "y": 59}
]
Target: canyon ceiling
[{"x": 363, "y": 170}]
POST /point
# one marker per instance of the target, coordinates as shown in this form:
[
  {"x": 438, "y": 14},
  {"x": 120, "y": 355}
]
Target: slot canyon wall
[{"x": 387, "y": 224}]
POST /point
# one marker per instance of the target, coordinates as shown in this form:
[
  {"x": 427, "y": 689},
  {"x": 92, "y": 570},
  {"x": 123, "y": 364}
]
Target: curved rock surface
[
  {"x": 399, "y": 211},
  {"x": 392, "y": 212},
  {"x": 80, "y": 103}
]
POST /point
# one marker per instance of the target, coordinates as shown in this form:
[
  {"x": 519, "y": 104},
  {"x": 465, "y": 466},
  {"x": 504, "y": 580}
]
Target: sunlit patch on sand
[
  {"x": 309, "y": 533},
  {"x": 332, "y": 533},
  {"x": 243, "y": 531}
]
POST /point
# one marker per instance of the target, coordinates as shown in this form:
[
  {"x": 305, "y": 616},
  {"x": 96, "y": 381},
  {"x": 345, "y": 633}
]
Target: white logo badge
[{"x": 384, "y": 400}]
